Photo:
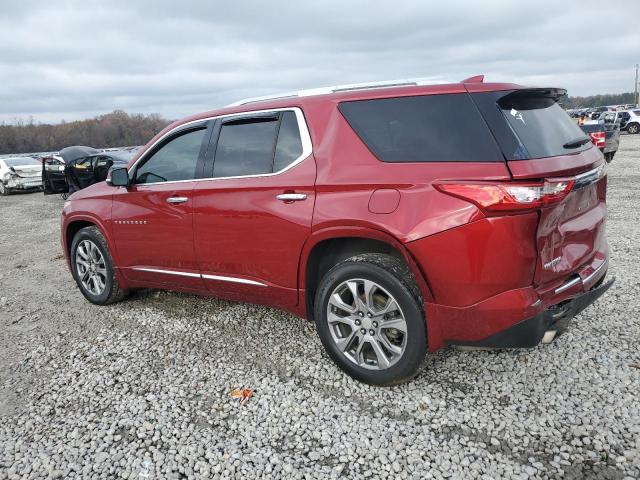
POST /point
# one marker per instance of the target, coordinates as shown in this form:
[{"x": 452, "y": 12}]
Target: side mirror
[{"x": 118, "y": 177}]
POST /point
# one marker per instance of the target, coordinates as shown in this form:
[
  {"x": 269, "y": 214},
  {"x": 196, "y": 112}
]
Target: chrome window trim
[
  {"x": 222, "y": 278},
  {"x": 305, "y": 138}
]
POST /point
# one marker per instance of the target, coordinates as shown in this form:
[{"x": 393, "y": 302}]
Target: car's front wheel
[
  {"x": 93, "y": 268},
  {"x": 4, "y": 190},
  {"x": 370, "y": 319},
  {"x": 633, "y": 128}
]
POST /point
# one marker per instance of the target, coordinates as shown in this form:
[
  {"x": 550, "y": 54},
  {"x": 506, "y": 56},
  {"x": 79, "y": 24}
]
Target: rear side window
[
  {"x": 246, "y": 147},
  {"x": 429, "y": 128},
  {"x": 289, "y": 146},
  {"x": 257, "y": 145}
]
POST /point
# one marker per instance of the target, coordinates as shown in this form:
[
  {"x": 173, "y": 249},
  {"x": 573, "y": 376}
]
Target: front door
[
  {"x": 153, "y": 218},
  {"x": 252, "y": 217}
]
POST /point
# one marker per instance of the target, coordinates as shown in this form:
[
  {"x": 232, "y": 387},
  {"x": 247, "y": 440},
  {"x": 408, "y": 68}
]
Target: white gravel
[{"x": 141, "y": 389}]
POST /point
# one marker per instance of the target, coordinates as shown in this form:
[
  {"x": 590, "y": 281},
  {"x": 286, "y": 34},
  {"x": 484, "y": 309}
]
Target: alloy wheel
[
  {"x": 367, "y": 324},
  {"x": 91, "y": 267}
]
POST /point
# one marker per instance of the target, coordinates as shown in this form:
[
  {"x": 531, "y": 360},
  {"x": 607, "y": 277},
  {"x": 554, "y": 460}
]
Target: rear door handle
[
  {"x": 292, "y": 197},
  {"x": 177, "y": 199}
]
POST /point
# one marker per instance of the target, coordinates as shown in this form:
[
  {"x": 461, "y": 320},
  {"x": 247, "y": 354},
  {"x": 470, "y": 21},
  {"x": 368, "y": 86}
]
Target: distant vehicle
[
  {"x": 19, "y": 173},
  {"x": 605, "y": 136},
  {"x": 631, "y": 121},
  {"x": 75, "y": 168}
]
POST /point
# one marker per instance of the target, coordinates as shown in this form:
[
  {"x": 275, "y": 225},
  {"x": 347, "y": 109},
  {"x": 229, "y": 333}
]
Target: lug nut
[
  {"x": 369, "y": 315},
  {"x": 363, "y": 331},
  {"x": 375, "y": 324},
  {"x": 358, "y": 322},
  {"x": 361, "y": 314},
  {"x": 372, "y": 332}
]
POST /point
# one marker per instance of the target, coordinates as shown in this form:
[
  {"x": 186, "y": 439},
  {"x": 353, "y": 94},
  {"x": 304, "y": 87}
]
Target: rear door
[
  {"x": 252, "y": 217},
  {"x": 539, "y": 140}
]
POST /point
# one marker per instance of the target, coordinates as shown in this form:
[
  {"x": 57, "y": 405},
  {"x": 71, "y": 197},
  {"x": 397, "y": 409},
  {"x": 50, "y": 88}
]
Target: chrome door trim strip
[
  {"x": 305, "y": 138},
  {"x": 169, "y": 272},
  {"x": 222, "y": 278}
]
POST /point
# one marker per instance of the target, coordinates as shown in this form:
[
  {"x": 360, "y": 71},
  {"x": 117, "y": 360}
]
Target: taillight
[
  {"x": 509, "y": 197},
  {"x": 598, "y": 139}
]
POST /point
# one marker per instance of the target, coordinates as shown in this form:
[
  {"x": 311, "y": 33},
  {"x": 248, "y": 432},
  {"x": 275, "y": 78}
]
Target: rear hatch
[{"x": 541, "y": 143}]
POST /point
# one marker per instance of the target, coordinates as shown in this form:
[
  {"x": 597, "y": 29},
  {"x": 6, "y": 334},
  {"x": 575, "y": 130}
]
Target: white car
[
  {"x": 630, "y": 121},
  {"x": 20, "y": 173}
]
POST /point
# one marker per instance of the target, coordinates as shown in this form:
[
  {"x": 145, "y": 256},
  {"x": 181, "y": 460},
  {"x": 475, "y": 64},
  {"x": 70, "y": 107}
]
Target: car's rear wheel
[
  {"x": 370, "y": 319},
  {"x": 4, "y": 190},
  {"x": 93, "y": 268},
  {"x": 633, "y": 128}
]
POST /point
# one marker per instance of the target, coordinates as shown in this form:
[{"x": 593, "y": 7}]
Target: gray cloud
[{"x": 73, "y": 59}]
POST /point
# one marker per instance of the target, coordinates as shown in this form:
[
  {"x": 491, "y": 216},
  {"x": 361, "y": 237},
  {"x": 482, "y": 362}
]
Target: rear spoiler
[{"x": 553, "y": 93}]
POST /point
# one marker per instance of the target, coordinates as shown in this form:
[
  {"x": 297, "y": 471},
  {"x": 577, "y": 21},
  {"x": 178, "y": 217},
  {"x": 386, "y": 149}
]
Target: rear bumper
[
  {"x": 24, "y": 183},
  {"x": 520, "y": 317},
  {"x": 531, "y": 331}
]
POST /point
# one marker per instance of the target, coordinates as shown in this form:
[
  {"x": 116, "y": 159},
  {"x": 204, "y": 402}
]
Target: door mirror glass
[{"x": 119, "y": 177}]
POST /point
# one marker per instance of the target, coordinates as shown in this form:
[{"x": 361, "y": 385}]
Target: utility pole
[{"x": 635, "y": 90}]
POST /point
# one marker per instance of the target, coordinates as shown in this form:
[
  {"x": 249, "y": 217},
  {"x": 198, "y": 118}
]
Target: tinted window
[
  {"x": 289, "y": 146},
  {"x": 246, "y": 147},
  {"x": 541, "y": 126},
  {"x": 431, "y": 128},
  {"x": 175, "y": 160}
]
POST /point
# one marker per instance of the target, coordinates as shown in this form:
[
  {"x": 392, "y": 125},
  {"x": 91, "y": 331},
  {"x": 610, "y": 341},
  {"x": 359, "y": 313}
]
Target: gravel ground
[{"x": 141, "y": 389}]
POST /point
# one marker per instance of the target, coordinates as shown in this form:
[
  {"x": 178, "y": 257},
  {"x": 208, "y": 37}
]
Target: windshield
[
  {"x": 21, "y": 162},
  {"x": 541, "y": 126}
]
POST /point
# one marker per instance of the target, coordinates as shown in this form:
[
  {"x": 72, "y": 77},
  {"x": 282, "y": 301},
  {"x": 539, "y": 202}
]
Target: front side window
[{"x": 174, "y": 161}]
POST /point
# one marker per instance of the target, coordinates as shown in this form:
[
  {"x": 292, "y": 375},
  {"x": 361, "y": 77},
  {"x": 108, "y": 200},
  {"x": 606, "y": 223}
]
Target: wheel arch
[
  {"x": 327, "y": 247},
  {"x": 72, "y": 225}
]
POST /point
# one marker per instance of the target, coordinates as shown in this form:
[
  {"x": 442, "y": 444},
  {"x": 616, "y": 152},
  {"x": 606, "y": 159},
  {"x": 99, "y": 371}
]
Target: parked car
[
  {"x": 604, "y": 134},
  {"x": 75, "y": 168},
  {"x": 631, "y": 121},
  {"x": 19, "y": 173},
  {"x": 399, "y": 218}
]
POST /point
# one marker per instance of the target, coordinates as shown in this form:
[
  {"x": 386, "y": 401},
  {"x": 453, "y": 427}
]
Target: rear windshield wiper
[{"x": 576, "y": 142}]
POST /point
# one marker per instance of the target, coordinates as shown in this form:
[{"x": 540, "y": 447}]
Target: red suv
[{"x": 400, "y": 218}]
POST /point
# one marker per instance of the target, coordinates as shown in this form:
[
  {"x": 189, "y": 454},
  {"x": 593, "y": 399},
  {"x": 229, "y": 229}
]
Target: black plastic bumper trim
[{"x": 529, "y": 332}]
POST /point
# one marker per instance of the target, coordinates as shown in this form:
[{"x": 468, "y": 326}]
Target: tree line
[
  {"x": 116, "y": 129},
  {"x": 598, "y": 100}
]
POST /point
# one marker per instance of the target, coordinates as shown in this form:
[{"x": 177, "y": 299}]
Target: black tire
[
  {"x": 112, "y": 292},
  {"x": 393, "y": 276},
  {"x": 633, "y": 128},
  {"x": 609, "y": 156},
  {"x": 4, "y": 190}
]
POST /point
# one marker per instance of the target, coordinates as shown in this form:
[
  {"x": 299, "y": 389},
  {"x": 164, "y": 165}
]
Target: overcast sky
[{"x": 77, "y": 59}]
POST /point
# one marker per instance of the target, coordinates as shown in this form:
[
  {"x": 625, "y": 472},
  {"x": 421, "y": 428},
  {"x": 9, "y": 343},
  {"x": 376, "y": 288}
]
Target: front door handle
[
  {"x": 177, "y": 199},
  {"x": 292, "y": 197}
]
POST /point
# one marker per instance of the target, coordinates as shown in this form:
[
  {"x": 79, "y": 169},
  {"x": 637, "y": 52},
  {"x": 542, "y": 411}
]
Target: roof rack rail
[{"x": 342, "y": 88}]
